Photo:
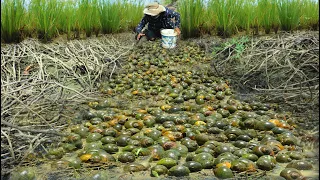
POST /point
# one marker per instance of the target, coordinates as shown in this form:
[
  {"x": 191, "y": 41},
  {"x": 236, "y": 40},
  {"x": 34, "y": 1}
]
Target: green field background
[{"x": 47, "y": 19}]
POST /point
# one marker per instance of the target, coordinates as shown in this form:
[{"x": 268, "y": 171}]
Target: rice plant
[
  {"x": 289, "y": 14},
  {"x": 45, "y": 17},
  {"x": 209, "y": 21},
  {"x": 226, "y": 12},
  {"x": 268, "y": 15},
  {"x": 88, "y": 16},
  {"x": 310, "y": 17},
  {"x": 12, "y": 20},
  {"x": 165, "y": 2},
  {"x": 191, "y": 17},
  {"x": 246, "y": 15},
  {"x": 67, "y": 18},
  {"x": 110, "y": 16},
  {"x": 134, "y": 14}
]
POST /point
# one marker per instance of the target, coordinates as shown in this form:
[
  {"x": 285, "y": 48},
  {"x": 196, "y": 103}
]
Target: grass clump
[
  {"x": 289, "y": 14},
  {"x": 110, "y": 16},
  {"x": 246, "y": 16},
  {"x": 45, "y": 18},
  {"x": 191, "y": 17},
  {"x": 310, "y": 15},
  {"x": 67, "y": 18},
  {"x": 12, "y": 20},
  {"x": 133, "y": 15},
  {"x": 268, "y": 15},
  {"x": 88, "y": 17},
  {"x": 226, "y": 12},
  {"x": 48, "y": 19}
]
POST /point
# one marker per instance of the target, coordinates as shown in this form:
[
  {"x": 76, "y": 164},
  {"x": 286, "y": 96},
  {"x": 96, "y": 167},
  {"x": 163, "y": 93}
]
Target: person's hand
[
  {"x": 177, "y": 30},
  {"x": 140, "y": 35}
]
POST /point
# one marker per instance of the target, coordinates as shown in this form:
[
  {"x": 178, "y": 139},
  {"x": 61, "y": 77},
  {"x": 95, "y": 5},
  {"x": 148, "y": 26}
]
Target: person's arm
[
  {"x": 176, "y": 23},
  {"x": 141, "y": 25}
]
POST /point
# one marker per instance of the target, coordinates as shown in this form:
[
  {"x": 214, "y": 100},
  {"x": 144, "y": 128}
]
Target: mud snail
[{"x": 189, "y": 122}]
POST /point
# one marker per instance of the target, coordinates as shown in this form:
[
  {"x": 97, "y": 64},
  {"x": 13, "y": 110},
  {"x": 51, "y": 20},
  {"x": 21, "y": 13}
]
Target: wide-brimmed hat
[{"x": 154, "y": 9}]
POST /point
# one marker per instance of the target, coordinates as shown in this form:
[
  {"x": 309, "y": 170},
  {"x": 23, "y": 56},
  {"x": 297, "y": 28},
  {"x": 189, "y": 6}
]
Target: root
[
  {"x": 282, "y": 68},
  {"x": 41, "y": 84}
]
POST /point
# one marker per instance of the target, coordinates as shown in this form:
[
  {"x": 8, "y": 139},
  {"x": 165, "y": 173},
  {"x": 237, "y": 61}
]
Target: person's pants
[{"x": 151, "y": 34}]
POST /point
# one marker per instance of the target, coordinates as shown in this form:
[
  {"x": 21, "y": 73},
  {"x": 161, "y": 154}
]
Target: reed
[
  {"x": 12, "y": 20},
  {"x": 134, "y": 14},
  {"x": 289, "y": 14},
  {"x": 45, "y": 18},
  {"x": 88, "y": 16},
  {"x": 245, "y": 15},
  {"x": 268, "y": 15},
  {"x": 67, "y": 18},
  {"x": 191, "y": 17},
  {"x": 310, "y": 15},
  {"x": 110, "y": 16},
  {"x": 209, "y": 21},
  {"x": 226, "y": 12}
]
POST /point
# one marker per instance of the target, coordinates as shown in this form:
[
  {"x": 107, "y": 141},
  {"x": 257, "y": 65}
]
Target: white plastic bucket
[{"x": 168, "y": 38}]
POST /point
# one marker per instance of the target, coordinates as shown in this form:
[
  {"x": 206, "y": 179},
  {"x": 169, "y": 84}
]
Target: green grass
[
  {"x": 310, "y": 15},
  {"x": 12, "y": 20},
  {"x": 268, "y": 15},
  {"x": 110, "y": 16},
  {"x": 191, "y": 17},
  {"x": 289, "y": 14},
  {"x": 88, "y": 16},
  {"x": 133, "y": 14},
  {"x": 245, "y": 16},
  {"x": 45, "y": 18},
  {"x": 67, "y": 19},
  {"x": 209, "y": 22},
  {"x": 226, "y": 12}
]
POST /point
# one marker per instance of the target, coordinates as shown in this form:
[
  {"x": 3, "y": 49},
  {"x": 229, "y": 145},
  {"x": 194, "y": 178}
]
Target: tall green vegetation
[
  {"x": 12, "y": 20},
  {"x": 45, "y": 17},
  {"x": 67, "y": 18},
  {"x": 268, "y": 15},
  {"x": 133, "y": 15},
  {"x": 310, "y": 15},
  {"x": 289, "y": 14},
  {"x": 110, "y": 16},
  {"x": 209, "y": 21},
  {"x": 88, "y": 16},
  {"x": 226, "y": 12},
  {"x": 246, "y": 15},
  {"x": 191, "y": 16},
  {"x": 49, "y": 18}
]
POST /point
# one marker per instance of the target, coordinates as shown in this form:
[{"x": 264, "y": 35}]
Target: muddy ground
[{"x": 247, "y": 88}]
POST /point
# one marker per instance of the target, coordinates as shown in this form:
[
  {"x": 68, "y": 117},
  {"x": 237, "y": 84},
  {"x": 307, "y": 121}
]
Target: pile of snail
[{"x": 192, "y": 122}]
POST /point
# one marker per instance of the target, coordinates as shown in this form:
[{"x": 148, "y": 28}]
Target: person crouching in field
[{"x": 158, "y": 17}]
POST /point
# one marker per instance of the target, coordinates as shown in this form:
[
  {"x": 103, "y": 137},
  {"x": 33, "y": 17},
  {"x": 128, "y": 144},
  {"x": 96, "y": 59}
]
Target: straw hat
[{"x": 154, "y": 9}]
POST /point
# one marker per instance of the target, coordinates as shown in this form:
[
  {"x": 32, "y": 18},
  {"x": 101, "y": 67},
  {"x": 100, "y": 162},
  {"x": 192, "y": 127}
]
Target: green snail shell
[
  {"x": 167, "y": 162},
  {"x": 223, "y": 172},
  {"x": 291, "y": 174},
  {"x": 283, "y": 158},
  {"x": 266, "y": 162},
  {"x": 126, "y": 157},
  {"x": 300, "y": 165},
  {"x": 193, "y": 166},
  {"x": 179, "y": 170},
  {"x": 133, "y": 167},
  {"x": 159, "y": 170}
]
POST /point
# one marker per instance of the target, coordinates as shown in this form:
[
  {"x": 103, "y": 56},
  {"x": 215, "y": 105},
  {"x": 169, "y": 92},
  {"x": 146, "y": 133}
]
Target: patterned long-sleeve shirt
[{"x": 165, "y": 21}]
